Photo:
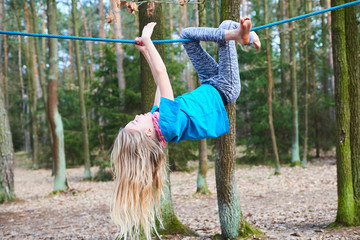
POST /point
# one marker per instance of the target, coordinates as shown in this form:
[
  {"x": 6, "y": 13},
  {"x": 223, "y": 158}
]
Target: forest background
[
  {"x": 100, "y": 86},
  {"x": 114, "y": 107}
]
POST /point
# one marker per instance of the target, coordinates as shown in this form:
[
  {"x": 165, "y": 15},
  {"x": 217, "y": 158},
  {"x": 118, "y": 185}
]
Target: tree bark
[
  {"x": 232, "y": 221},
  {"x": 54, "y": 117},
  {"x": 85, "y": 138},
  {"x": 270, "y": 93},
  {"x": 7, "y": 192},
  {"x": 352, "y": 54},
  {"x": 295, "y": 155},
  {"x": 345, "y": 211}
]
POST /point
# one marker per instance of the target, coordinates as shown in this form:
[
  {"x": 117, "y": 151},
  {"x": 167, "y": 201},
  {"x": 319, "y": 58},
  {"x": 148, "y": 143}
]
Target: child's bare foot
[
  {"x": 243, "y": 31},
  {"x": 256, "y": 43}
]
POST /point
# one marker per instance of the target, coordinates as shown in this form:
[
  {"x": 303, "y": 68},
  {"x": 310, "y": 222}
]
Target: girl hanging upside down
[{"x": 138, "y": 153}]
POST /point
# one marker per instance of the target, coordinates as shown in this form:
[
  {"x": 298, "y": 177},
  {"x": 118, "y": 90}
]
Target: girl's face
[{"x": 142, "y": 122}]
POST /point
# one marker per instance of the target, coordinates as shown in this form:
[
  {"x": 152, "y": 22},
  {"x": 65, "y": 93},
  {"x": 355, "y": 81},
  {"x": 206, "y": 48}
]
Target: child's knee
[
  {"x": 225, "y": 24},
  {"x": 184, "y": 33}
]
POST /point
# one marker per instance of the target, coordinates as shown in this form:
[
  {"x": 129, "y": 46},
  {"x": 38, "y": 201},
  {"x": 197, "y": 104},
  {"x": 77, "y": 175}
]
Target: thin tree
[
  {"x": 283, "y": 52},
  {"x": 352, "y": 54},
  {"x": 201, "y": 185},
  {"x": 270, "y": 93},
  {"x": 85, "y": 138},
  {"x": 7, "y": 192},
  {"x": 57, "y": 131},
  {"x": 5, "y": 75},
  {"x": 32, "y": 90},
  {"x": 89, "y": 44},
  {"x": 118, "y": 47},
  {"x": 345, "y": 211},
  {"x": 306, "y": 104},
  {"x": 1, "y": 37},
  {"x": 24, "y": 96},
  {"x": 232, "y": 221},
  {"x": 295, "y": 155},
  {"x": 171, "y": 223}
]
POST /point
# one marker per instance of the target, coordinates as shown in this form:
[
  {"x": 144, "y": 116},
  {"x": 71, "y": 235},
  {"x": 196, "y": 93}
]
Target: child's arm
[
  {"x": 157, "y": 64},
  {"x": 142, "y": 48}
]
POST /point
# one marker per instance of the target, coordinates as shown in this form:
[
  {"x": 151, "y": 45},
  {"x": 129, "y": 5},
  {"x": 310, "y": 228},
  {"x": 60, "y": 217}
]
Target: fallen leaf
[
  {"x": 182, "y": 2},
  {"x": 150, "y": 8},
  {"x": 109, "y": 17}
]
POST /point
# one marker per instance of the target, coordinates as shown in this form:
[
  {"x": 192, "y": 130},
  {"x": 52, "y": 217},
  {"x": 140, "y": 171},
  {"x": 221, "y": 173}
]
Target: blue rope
[{"x": 176, "y": 40}]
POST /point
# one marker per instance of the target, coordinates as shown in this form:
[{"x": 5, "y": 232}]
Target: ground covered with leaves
[{"x": 298, "y": 204}]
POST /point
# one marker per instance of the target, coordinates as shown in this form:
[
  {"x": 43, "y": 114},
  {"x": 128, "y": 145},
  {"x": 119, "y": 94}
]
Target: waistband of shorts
[{"x": 222, "y": 95}]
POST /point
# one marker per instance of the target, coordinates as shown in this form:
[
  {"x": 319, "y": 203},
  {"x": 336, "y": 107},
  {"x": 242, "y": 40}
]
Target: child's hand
[
  {"x": 140, "y": 45},
  {"x": 148, "y": 30}
]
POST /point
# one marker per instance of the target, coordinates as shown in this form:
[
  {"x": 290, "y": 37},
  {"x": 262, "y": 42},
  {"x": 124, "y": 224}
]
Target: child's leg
[
  {"x": 204, "y": 64},
  {"x": 228, "y": 80}
]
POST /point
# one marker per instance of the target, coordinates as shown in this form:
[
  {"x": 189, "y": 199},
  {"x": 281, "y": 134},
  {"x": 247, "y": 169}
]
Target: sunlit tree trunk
[
  {"x": 58, "y": 150},
  {"x": 270, "y": 92},
  {"x": 32, "y": 86},
  {"x": 7, "y": 192},
  {"x": 352, "y": 54},
  {"x": 85, "y": 138},
  {"x": 345, "y": 211},
  {"x": 118, "y": 46},
  {"x": 295, "y": 155},
  {"x": 232, "y": 221},
  {"x": 306, "y": 49}
]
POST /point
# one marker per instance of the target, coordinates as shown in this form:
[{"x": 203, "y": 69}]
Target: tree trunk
[
  {"x": 270, "y": 93},
  {"x": 54, "y": 117},
  {"x": 201, "y": 185},
  {"x": 352, "y": 54},
  {"x": 345, "y": 211},
  {"x": 306, "y": 49},
  {"x": 119, "y": 51},
  {"x": 295, "y": 155},
  {"x": 88, "y": 43},
  {"x": 101, "y": 31},
  {"x": 32, "y": 86},
  {"x": 85, "y": 138},
  {"x": 171, "y": 223},
  {"x": 24, "y": 97},
  {"x": 1, "y": 37},
  {"x": 5, "y": 80},
  {"x": 283, "y": 52},
  {"x": 7, "y": 192},
  {"x": 232, "y": 221}
]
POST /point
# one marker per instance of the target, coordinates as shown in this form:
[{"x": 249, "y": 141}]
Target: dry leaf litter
[{"x": 298, "y": 204}]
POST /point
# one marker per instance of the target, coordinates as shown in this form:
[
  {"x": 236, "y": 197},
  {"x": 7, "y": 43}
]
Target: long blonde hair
[{"x": 139, "y": 167}]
